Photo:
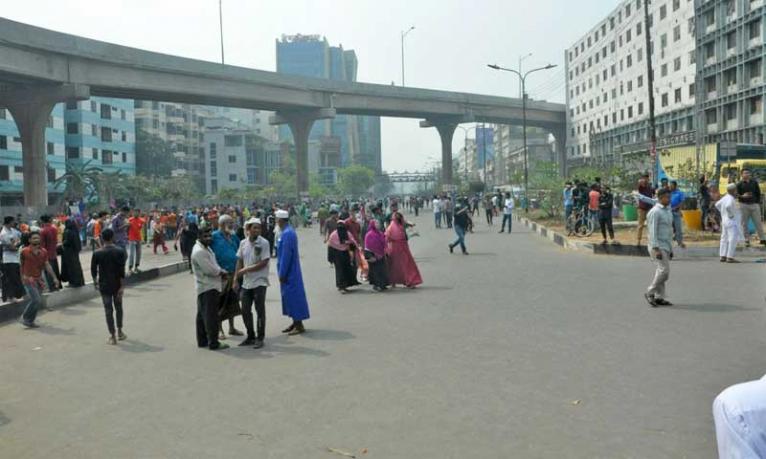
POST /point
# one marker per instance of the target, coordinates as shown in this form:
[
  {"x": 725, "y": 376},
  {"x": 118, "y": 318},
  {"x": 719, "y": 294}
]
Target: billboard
[{"x": 485, "y": 144}]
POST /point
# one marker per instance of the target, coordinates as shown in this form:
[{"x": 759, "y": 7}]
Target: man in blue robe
[{"x": 294, "y": 303}]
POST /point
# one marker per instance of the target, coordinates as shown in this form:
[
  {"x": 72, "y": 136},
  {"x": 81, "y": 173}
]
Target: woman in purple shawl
[{"x": 375, "y": 253}]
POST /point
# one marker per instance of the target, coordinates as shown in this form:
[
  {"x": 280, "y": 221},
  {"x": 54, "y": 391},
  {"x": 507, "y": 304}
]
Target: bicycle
[{"x": 580, "y": 223}]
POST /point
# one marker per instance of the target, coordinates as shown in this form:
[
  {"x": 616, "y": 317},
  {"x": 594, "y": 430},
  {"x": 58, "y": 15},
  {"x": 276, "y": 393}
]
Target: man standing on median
[
  {"x": 294, "y": 303},
  {"x": 107, "y": 267},
  {"x": 731, "y": 231},
  {"x": 659, "y": 222}
]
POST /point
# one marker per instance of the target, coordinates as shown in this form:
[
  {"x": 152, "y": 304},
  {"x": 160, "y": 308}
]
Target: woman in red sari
[{"x": 401, "y": 266}]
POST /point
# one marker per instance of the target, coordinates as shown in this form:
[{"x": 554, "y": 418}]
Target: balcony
[
  {"x": 755, "y": 42},
  {"x": 732, "y": 124},
  {"x": 712, "y": 128},
  {"x": 731, "y": 52},
  {"x": 711, "y": 95},
  {"x": 755, "y": 81},
  {"x": 710, "y": 60},
  {"x": 756, "y": 119},
  {"x": 756, "y": 4}
]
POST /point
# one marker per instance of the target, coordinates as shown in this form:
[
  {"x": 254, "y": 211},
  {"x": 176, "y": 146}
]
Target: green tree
[
  {"x": 80, "y": 181},
  {"x": 154, "y": 156},
  {"x": 283, "y": 184},
  {"x": 355, "y": 180}
]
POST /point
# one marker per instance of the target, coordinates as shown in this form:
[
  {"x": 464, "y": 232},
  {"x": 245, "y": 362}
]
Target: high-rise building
[
  {"x": 708, "y": 66},
  {"x": 11, "y": 164},
  {"x": 357, "y": 138},
  {"x": 235, "y": 157},
  {"x": 100, "y": 132},
  {"x": 730, "y": 68}
]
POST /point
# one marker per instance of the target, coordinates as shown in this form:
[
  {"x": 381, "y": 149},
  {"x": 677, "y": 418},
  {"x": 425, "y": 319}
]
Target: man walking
[
  {"x": 447, "y": 210},
  {"x": 107, "y": 267},
  {"x": 294, "y": 303},
  {"x": 437, "y": 206},
  {"x": 135, "y": 225},
  {"x": 460, "y": 225},
  {"x": 507, "y": 213},
  {"x": 207, "y": 279},
  {"x": 659, "y": 222},
  {"x": 731, "y": 230},
  {"x": 33, "y": 260},
  {"x": 10, "y": 241},
  {"x": 253, "y": 267},
  {"x": 676, "y": 199},
  {"x": 120, "y": 226},
  {"x": 750, "y": 204}
]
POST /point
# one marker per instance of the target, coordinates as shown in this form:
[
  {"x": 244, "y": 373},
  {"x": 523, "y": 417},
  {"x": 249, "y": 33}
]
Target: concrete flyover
[{"x": 40, "y": 67}]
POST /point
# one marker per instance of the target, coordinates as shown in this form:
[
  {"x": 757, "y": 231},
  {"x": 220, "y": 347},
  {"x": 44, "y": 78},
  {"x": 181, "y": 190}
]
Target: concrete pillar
[
  {"x": 31, "y": 109},
  {"x": 300, "y": 123},
  {"x": 561, "y": 150},
  {"x": 446, "y": 132}
]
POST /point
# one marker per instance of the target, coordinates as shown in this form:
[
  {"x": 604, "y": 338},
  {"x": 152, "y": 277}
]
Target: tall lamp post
[
  {"x": 523, "y": 78},
  {"x": 404, "y": 34},
  {"x": 522, "y": 59},
  {"x": 220, "y": 24}
]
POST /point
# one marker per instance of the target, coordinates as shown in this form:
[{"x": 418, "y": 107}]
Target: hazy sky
[{"x": 452, "y": 42}]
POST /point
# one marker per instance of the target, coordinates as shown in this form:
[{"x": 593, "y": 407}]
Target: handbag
[{"x": 228, "y": 302}]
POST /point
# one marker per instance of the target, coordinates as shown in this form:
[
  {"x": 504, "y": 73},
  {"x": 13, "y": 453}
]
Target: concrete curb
[
  {"x": 627, "y": 250},
  {"x": 68, "y": 296}
]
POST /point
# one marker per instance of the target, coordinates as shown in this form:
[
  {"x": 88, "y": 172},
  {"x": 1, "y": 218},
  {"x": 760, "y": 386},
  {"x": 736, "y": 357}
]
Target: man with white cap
[
  {"x": 225, "y": 245},
  {"x": 731, "y": 228},
  {"x": 294, "y": 303},
  {"x": 253, "y": 267}
]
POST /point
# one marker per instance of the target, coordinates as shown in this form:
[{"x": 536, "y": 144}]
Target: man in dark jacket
[{"x": 107, "y": 267}]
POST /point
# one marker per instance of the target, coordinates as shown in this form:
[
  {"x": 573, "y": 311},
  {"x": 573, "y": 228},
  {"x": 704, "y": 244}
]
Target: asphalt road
[{"x": 518, "y": 350}]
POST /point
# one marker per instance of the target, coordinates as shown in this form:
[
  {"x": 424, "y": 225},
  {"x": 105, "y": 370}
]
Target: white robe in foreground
[
  {"x": 731, "y": 229},
  {"x": 740, "y": 420}
]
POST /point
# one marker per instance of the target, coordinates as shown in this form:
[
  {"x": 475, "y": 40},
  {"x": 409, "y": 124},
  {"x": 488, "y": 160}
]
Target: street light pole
[
  {"x": 220, "y": 24},
  {"x": 521, "y": 59},
  {"x": 523, "y": 78},
  {"x": 465, "y": 153},
  {"x": 404, "y": 34}
]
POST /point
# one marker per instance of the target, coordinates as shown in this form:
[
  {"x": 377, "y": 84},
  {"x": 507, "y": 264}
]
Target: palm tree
[{"x": 80, "y": 180}]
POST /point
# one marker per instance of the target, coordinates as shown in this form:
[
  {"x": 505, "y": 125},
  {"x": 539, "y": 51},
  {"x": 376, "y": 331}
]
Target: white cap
[
  {"x": 731, "y": 186},
  {"x": 253, "y": 221},
  {"x": 281, "y": 214}
]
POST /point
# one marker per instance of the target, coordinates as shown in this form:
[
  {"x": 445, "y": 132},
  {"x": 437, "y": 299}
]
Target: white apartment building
[{"x": 606, "y": 71}]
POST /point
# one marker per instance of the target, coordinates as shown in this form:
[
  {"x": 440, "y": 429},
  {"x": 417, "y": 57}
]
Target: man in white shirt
[
  {"x": 740, "y": 420},
  {"x": 207, "y": 279},
  {"x": 507, "y": 212},
  {"x": 437, "y": 205},
  {"x": 253, "y": 267},
  {"x": 731, "y": 227},
  {"x": 10, "y": 240}
]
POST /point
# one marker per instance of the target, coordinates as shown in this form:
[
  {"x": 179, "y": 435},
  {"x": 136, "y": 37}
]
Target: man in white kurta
[
  {"x": 731, "y": 228},
  {"x": 740, "y": 420}
]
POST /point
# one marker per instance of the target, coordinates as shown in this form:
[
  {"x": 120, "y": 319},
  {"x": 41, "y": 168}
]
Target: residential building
[
  {"x": 11, "y": 164},
  {"x": 730, "y": 70},
  {"x": 100, "y": 132},
  {"x": 358, "y": 137},
  {"x": 235, "y": 157},
  {"x": 607, "y": 95}
]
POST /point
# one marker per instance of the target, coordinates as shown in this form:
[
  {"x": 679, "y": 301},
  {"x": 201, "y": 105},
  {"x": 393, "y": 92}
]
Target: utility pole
[
  {"x": 404, "y": 34},
  {"x": 650, "y": 87}
]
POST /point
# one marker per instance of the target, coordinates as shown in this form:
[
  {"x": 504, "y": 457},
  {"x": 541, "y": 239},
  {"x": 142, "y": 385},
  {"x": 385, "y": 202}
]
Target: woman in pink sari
[{"x": 401, "y": 266}]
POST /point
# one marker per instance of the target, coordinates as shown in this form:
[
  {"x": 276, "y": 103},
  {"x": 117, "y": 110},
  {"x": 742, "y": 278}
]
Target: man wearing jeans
[
  {"x": 659, "y": 222},
  {"x": 460, "y": 225},
  {"x": 253, "y": 267},
  {"x": 33, "y": 260},
  {"x": 507, "y": 212},
  {"x": 107, "y": 267},
  {"x": 437, "y": 206},
  {"x": 135, "y": 239},
  {"x": 750, "y": 205},
  {"x": 676, "y": 199}
]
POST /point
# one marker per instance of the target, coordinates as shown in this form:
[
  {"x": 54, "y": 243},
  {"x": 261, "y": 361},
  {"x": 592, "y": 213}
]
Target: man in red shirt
[
  {"x": 33, "y": 259},
  {"x": 49, "y": 240},
  {"x": 135, "y": 225},
  {"x": 593, "y": 200}
]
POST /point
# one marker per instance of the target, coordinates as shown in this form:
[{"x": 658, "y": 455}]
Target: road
[{"x": 517, "y": 350}]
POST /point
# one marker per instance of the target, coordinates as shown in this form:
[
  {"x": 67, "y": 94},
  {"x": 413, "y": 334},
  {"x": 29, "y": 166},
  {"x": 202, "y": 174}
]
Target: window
[
  {"x": 122, "y": 114},
  {"x": 629, "y": 61},
  {"x": 213, "y": 168},
  {"x": 71, "y": 105},
  {"x": 614, "y": 70},
  {"x": 612, "y": 46},
  {"x": 676, "y": 4},
  {"x": 665, "y": 100},
  {"x": 664, "y": 70},
  {"x": 2, "y": 114},
  {"x": 18, "y": 169},
  {"x": 72, "y": 152},
  {"x": 663, "y": 41},
  {"x": 106, "y": 157},
  {"x": 17, "y": 139},
  {"x": 124, "y": 157},
  {"x": 106, "y": 134},
  {"x": 4, "y": 175},
  {"x": 71, "y": 128},
  {"x": 232, "y": 141},
  {"x": 604, "y": 75},
  {"x": 611, "y": 23},
  {"x": 232, "y": 159},
  {"x": 640, "y": 108},
  {"x": 709, "y": 51},
  {"x": 677, "y": 96},
  {"x": 622, "y": 114},
  {"x": 630, "y": 85},
  {"x": 3, "y": 142},
  {"x": 663, "y": 12},
  {"x": 606, "y": 120},
  {"x": 640, "y": 81},
  {"x": 606, "y": 97},
  {"x": 106, "y": 112},
  {"x": 730, "y": 78},
  {"x": 676, "y": 64},
  {"x": 94, "y": 153},
  {"x": 232, "y": 177},
  {"x": 691, "y": 90},
  {"x": 639, "y": 54},
  {"x": 124, "y": 136},
  {"x": 603, "y": 51},
  {"x": 213, "y": 150},
  {"x": 93, "y": 106},
  {"x": 49, "y": 149},
  {"x": 755, "y": 105},
  {"x": 51, "y": 175},
  {"x": 754, "y": 69},
  {"x": 214, "y": 186},
  {"x": 676, "y": 33},
  {"x": 627, "y": 36},
  {"x": 755, "y": 29},
  {"x": 692, "y": 57}
]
